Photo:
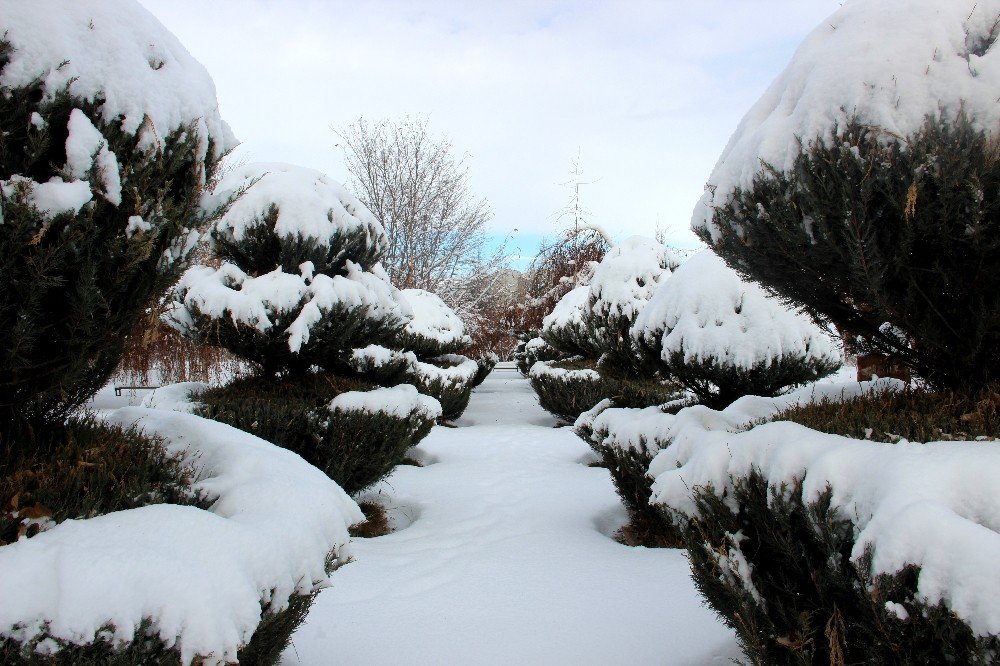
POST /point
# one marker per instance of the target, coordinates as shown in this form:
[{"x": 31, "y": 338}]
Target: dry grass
[
  {"x": 376, "y": 523},
  {"x": 917, "y": 415}
]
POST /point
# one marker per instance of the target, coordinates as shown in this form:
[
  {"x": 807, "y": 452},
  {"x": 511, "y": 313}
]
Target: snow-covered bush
[
  {"x": 434, "y": 330},
  {"x": 864, "y": 184},
  {"x": 532, "y": 351},
  {"x": 449, "y": 379},
  {"x": 353, "y": 431},
  {"x": 722, "y": 338},
  {"x": 589, "y": 327},
  {"x": 566, "y": 327},
  {"x": 484, "y": 366},
  {"x": 817, "y": 548},
  {"x": 299, "y": 282},
  {"x": 300, "y": 293},
  {"x": 627, "y": 277},
  {"x": 433, "y": 335},
  {"x": 569, "y": 387},
  {"x": 169, "y": 584},
  {"x": 109, "y": 131}
]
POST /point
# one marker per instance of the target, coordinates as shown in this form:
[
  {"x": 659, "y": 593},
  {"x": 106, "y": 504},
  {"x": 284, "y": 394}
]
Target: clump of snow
[
  {"x": 895, "y": 494},
  {"x": 401, "y": 401},
  {"x": 890, "y": 63},
  {"x": 566, "y": 325},
  {"x": 178, "y": 397},
  {"x": 374, "y": 357},
  {"x": 434, "y": 321},
  {"x": 706, "y": 312},
  {"x": 310, "y": 205},
  {"x": 51, "y": 198},
  {"x": 86, "y": 148},
  {"x": 115, "y": 52},
  {"x": 199, "y": 578},
  {"x": 627, "y": 278}
]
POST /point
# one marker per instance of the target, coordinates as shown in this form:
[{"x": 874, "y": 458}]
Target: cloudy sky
[{"x": 644, "y": 94}]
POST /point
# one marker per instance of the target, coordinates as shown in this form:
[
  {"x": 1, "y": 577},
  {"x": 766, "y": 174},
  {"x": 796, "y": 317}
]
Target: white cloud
[{"x": 648, "y": 92}]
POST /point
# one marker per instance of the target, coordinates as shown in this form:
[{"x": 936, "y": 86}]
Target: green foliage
[
  {"x": 869, "y": 229},
  {"x": 425, "y": 347},
  {"x": 355, "y": 449},
  {"x": 82, "y": 469},
  {"x": 75, "y": 285},
  {"x": 916, "y": 414},
  {"x": 647, "y": 525},
  {"x": 806, "y": 602},
  {"x": 717, "y": 383}
]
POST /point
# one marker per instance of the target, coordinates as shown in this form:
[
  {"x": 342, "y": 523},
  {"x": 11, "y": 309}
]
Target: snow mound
[
  {"x": 310, "y": 205},
  {"x": 117, "y": 52},
  {"x": 706, "y": 312},
  {"x": 895, "y": 494},
  {"x": 888, "y": 62},
  {"x": 628, "y": 276},
  {"x": 199, "y": 578},
  {"x": 434, "y": 321},
  {"x": 400, "y": 401}
]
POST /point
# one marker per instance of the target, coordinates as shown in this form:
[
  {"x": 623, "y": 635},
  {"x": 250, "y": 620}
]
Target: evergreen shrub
[
  {"x": 778, "y": 571},
  {"x": 355, "y": 448},
  {"x": 82, "y": 469},
  {"x": 533, "y": 350},
  {"x": 628, "y": 465},
  {"x": 76, "y": 281},
  {"x": 484, "y": 366},
  {"x": 722, "y": 338},
  {"x": 896, "y": 240},
  {"x": 914, "y": 414},
  {"x": 448, "y": 379}
]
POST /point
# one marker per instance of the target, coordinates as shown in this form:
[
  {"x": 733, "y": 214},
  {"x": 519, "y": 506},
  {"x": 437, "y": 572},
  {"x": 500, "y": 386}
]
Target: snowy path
[{"x": 503, "y": 557}]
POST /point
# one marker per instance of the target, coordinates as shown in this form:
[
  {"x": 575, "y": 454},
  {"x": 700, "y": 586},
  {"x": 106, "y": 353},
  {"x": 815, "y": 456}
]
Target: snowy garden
[{"x": 782, "y": 447}]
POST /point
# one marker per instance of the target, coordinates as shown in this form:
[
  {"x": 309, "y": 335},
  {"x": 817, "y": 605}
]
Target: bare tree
[{"x": 416, "y": 186}]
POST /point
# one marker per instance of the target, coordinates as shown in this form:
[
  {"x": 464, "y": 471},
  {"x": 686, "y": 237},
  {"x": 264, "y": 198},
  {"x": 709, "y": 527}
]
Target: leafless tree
[{"x": 419, "y": 189}]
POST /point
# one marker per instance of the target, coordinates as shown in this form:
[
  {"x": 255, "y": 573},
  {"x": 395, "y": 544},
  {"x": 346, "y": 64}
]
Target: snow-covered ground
[{"x": 503, "y": 555}]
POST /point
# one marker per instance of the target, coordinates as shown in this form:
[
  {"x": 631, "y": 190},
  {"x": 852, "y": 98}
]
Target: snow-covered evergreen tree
[
  {"x": 864, "y": 184},
  {"x": 299, "y": 284},
  {"x": 723, "y": 338},
  {"x": 106, "y": 143}
]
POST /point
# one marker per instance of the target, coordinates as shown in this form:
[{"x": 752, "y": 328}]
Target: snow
[
  {"x": 310, "y": 205},
  {"x": 434, "y": 320},
  {"x": 198, "y": 577},
  {"x": 628, "y": 276},
  {"x": 400, "y": 401},
  {"x": 502, "y": 555},
  {"x": 117, "y": 52},
  {"x": 570, "y": 311},
  {"x": 705, "y": 312},
  {"x": 87, "y": 147},
  {"x": 889, "y": 62},
  {"x": 547, "y": 369},
  {"x": 51, "y": 198}
]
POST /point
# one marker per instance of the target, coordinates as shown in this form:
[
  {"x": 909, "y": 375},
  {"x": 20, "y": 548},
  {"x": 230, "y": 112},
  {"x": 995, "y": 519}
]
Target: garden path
[{"x": 502, "y": 555}]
